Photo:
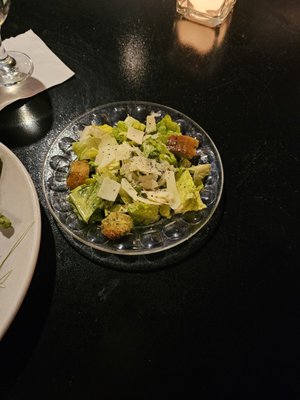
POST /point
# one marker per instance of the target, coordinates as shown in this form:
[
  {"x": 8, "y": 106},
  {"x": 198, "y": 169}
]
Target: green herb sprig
[{"x": 14, "y": 246}]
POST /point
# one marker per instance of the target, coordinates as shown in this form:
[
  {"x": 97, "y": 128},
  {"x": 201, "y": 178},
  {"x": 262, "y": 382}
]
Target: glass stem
[{"x": 3, "y": 53}]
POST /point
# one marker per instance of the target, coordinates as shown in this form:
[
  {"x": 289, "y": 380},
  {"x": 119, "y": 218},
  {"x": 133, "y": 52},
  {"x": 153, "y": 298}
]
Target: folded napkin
[{"x": 48, "y": 71}]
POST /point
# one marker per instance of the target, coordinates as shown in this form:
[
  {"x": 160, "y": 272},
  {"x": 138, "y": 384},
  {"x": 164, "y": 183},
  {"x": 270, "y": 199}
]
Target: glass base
[
  {"x": 15, "y": 69},
  {"x": 197, "y": 11}
]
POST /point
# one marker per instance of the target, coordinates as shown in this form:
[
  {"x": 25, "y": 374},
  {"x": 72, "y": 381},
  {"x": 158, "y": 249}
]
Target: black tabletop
[{"x": 222, "y": 321}]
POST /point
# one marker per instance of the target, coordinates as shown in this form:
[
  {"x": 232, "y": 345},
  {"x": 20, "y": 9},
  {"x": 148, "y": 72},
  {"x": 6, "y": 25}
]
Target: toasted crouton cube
[
  {"x": 116, "y": 225},
  {"x": 79, "y": 172},
  {"x": 183, "y": 146}
]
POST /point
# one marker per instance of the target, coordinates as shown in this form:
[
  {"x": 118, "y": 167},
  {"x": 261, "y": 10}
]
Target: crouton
[
  {"x": 79, "y": 172},
  {"x": 183, "y": 146},
  {"x": 116, "y": 225}
]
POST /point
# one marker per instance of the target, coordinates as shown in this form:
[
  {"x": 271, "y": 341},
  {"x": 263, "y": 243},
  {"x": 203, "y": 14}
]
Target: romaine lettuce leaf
[
  {"x": 165, "y": 210},
  {"x": 167, "y": 127},
  {"x": 153, "y": 148},
  {"x": 85, "y": 200},
  {"x": 106, "y": 128},
  {"x": 189, "y": 195},
  {"x": 199, "y": 172},
  {"x": 86, "y": 149},
  {"x": 130, "y": 121},
  {"x": 143, "y": 214}
]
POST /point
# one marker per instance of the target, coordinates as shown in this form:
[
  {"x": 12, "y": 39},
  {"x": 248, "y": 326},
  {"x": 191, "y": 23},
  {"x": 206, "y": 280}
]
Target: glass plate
[{"x": 154, "y": 238}]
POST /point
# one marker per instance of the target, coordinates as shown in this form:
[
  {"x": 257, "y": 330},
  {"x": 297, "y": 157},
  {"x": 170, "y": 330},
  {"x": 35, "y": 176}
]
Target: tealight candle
[{"x": 208, "y": 12}]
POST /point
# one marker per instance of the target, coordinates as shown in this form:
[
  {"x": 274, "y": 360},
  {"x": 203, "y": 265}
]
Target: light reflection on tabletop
[
  {"x": 202, "y": 39},
  {"x": 134, "y": 56},
  {"x": 26, "y": 121}
]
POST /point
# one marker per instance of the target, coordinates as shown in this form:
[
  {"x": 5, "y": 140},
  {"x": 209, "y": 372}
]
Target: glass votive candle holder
[{"x": 211, "y": 13}]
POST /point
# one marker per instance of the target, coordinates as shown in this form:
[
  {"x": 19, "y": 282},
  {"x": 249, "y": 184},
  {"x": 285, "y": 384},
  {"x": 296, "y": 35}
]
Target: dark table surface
[{"x": 224, "y": 321}]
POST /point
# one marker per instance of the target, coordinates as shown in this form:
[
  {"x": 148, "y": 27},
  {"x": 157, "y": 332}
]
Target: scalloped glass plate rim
[{"x": 133, "y": 252}]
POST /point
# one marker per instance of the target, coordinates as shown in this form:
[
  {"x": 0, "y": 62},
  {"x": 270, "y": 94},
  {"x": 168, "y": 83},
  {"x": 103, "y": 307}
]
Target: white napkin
[{"x": 48, "y": 71}]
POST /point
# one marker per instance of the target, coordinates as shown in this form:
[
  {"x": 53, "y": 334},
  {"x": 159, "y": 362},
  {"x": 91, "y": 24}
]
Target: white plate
[{"x": 19, "y": 202}]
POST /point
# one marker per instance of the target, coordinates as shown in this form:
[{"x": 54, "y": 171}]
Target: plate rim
[
  {"x": 132, "y": 253},
  {"x": 24, "y": 286}
]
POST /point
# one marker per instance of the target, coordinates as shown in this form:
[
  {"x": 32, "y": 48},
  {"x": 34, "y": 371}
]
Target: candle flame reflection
[{"x": 200, "y": 38}]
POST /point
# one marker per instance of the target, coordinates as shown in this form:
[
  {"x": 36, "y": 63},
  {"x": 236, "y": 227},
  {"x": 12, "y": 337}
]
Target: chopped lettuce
[
  {"x": 105, "y": 128},
  {"x": 156, "y": 149},
  {"x": 166, "y": 123},
  {"x": 86, "y": 149},
  {"x": 200, "y": 172},
  {"x": 167, "y": 127},
  {"x": 143, "y": 214},
  {"x": 130, "y": 121},
  {"x": 85, "y": 200},
  {"x": 190, "y": 199},
  {"x": 119, "y": 134},
  {"x": 4, "y": 222},
  {"x": 165, "y": 211},
  {"x": 145, "y": 167}
]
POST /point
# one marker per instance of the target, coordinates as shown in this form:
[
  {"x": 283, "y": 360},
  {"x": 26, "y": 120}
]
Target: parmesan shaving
[
  {"x": 172, "y": 188},
  {"x": 135, "y": 135},
  {"x": 109, "y": 189}
]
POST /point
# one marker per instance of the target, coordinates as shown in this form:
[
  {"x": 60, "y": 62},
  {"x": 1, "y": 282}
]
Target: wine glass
[{"x": 15, "y": 66}]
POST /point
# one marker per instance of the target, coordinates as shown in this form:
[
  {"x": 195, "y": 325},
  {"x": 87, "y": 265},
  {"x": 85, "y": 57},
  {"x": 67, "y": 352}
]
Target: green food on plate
[
  {"x": 4, "y": 222},
  {"x": 141, "y": 169}
]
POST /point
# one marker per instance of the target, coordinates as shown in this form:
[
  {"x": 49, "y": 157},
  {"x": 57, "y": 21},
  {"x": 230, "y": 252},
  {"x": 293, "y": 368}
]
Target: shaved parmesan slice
[
  {"x": 137, "y": 150},
  {"x": 156, "y": 114},
  {"x": 172, "y": 188},
  {"x": 109, "y": 189},
  {"x": 124, "y": 151},
  {"x": 129, "y": 121},
  {"x": 106, "y": 151},
  {"x": 105, "y": 156},
  {"x": 135, "y": 135},
  {"x": 92, "y": 131},
  {"x": 144, "y": 165},
  {"x": 108, "y": 139},
  {"x": 150, "y": 124},
  {"x": 146, "y": 201},
  {"x": 160, "y": 196},
  {"x": 129, "y": 189},
  {"x": 148, "y": 182}
]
